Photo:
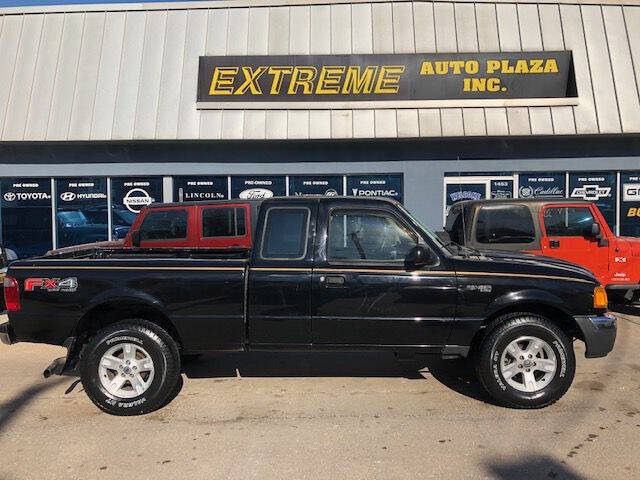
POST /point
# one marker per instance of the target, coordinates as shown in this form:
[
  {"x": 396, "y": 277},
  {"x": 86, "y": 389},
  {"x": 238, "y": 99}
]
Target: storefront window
[
  {"x": 329, "y": 185},
  {"x": 26, "y": 215},
  {"x": 81, "y": 211},
  {"x": 258, "y": 187},
  {"x": 194, "y": 189},
  {"x": 630, "y": 204},
  {"x": 129, "y": 195},
  {"x": 599, "y": 188},
  {"x": 536, "y": 185},
  {"x": 376, "y": 186}
]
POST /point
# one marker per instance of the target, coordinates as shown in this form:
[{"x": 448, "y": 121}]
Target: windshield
[
  {"x": 72, "y": 217},
  {"x": 432, "y": 236},
  {"x": 126, "y": 218}
]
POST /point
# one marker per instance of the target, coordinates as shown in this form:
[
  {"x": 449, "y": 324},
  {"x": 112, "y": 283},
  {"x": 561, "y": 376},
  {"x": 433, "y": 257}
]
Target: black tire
[
  {"x": 160, "y": 347},
  {"x": 509, "y": 328}
]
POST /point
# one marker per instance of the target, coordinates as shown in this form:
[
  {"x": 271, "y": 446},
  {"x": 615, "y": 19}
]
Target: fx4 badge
[{"x": 69, "y": 284}]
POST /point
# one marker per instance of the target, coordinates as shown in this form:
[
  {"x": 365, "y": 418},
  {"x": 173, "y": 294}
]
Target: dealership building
[{"x": 106, "y": 108}]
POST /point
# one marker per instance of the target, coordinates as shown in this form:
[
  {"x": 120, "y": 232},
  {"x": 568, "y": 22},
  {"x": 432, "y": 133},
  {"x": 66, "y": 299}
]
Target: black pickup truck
[{"x": 324, "y": 274}]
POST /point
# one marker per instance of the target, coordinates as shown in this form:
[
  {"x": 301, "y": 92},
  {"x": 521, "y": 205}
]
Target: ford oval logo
[{"x": 255, "y": 193}]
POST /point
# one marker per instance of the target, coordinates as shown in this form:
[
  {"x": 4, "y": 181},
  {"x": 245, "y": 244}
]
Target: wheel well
[
  {"x": 565, "y": 321},
  {"x": 108, "y": 313}
]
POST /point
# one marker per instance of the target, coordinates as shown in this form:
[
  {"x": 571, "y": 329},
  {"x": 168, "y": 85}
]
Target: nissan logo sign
[
  {"x": 68, "y": 196},
  {"x": 135, "y": 199}
]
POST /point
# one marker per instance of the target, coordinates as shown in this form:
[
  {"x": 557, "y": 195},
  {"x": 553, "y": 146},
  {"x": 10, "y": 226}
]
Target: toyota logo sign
[
  {"x": 9, "y": 196},
  {"x": 68, "y": 196}
]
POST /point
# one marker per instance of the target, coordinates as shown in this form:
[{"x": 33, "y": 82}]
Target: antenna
[{"x": 464, "y": 227}]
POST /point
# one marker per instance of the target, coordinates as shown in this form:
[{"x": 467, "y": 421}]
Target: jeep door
[{"x": 362, "y": 292}]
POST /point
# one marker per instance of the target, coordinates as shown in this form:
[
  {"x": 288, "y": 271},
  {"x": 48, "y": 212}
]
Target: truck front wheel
[
  {"x": 527, "y": 361},
  {"x": 130, "y": 368}
]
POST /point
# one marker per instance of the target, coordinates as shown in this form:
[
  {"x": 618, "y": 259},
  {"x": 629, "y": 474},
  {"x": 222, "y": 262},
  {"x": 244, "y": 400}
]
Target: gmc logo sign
[
  {"x": 631, "y": 192},
  {"x": 69, "y": 284}
]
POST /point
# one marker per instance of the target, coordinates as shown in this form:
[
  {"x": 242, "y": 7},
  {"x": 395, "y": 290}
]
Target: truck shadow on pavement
[
  {"x": 532, "y": 467},
  {"x": 12, "y": 407},
  {"x": 457, "y": 375}
]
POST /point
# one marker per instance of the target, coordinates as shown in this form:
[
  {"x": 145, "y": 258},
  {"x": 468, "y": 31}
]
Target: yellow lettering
[
  {"x": 506, "y": 68},
  {"x": 522, "y": 66},
  {"x": 492, "y": 66},
  {"x": 356, "y": 83},
  {"x": 426, "y": 68},
  {"x": 442, "y": 67},
  {"x": 493, "y": 84},
  {"x": 551, "y": 66},
  {"x": 329, "y": 80},
  {"x": 302, "y": 77},
  {"x": 222, "y": 81},
  {"x": 251, "y": 81},
  {"x": 536, "y": 66},
  {"x": 478, "y": 84},
  {"x": 278, "y": 76},
  {"x": 389, "y": 79},
  {"x": 471, "y": 67},
  {"x": 457, "y": 66}
]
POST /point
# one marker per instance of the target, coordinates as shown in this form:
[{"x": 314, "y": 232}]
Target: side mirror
[
  {"x": 595, "y": 229},
  {"x": 135, "y": 238},
  {"x": 420, "y": 256}
]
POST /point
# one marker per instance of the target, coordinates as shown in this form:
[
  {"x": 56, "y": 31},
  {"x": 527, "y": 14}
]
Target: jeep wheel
[
  {"x": 130, "y": 368},
  {"x": 526, "y": 361}
]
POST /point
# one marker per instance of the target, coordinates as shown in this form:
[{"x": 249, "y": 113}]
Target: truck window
[
  {"x": 368, "y": 236},
  {"x": 455, "y": 225},
  {"x": 505, "y": 224},
  {"x": 164, "y": 225},
  {"x": 568, "y": 221},
  {"x": 285, "y": 234},
  {"x": 223, "y": 222}
]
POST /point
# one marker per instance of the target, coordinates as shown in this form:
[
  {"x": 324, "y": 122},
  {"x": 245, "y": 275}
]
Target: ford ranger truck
[
  {"x": 325, "y": 273},
  {"x": 570, "y": 230}
]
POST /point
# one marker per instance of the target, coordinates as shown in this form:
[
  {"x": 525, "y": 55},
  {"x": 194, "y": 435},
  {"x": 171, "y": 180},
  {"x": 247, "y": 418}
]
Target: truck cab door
[
  {"x": 365, "y": 295},
  {"x": 279, "y": 288},
  {"x": 567, "y": 235}
]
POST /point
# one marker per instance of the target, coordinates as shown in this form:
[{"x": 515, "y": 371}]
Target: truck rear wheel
[
  {"x": 130, "y": 368},
  {"x": 527, "y": 361}
]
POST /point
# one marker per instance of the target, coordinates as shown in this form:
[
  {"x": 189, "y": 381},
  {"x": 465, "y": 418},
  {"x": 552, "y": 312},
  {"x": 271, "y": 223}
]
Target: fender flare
[{"x": 526, "y": 296}]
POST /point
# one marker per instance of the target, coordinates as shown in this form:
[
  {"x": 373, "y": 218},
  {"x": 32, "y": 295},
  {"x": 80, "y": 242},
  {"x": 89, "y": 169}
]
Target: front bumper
[
  {"x": 7, "y": 335},
  {"x": 599, "y": 333}
]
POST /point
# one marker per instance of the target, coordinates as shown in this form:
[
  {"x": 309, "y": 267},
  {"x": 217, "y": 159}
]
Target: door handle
[
  {"x": 333, "y": 281},
  {"x": 554, "y": 243}
]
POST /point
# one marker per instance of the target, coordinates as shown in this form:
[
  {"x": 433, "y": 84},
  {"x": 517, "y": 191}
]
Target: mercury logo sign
[
  {"x": 135, "y": 199},
  {"x": 331, "y": 192},
  {"x": 591, "y": 192},
  {"x": 255, "y": 193}
]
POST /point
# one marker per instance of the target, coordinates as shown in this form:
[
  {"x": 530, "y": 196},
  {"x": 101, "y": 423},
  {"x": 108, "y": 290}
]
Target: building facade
[{"x": 105, "y": 108}]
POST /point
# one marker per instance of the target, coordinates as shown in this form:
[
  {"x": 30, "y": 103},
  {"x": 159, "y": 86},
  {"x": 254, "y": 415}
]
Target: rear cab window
[
  {"x": 286, "y": 233},
  {"x": 505, "y": 224}
]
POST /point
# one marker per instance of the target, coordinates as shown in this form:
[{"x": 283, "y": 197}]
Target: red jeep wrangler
[
  {"x": 223, "y": 224},
  {"x": 569, "y": 230}
]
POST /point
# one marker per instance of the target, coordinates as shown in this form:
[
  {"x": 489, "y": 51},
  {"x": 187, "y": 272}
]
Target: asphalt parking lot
[{"x": 324, "y": 416}]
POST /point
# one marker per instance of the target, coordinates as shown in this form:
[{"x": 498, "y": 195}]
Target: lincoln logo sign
[{"x": 354, "y": 81}]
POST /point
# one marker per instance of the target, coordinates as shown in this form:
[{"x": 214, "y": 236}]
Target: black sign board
[
  {"x": 375, "y": 186},
  {"x": 257, "y": 187},
  {"x": 135, "y": 193},
  {"x": 597, "y": 187},
  {"x": 194, "y": 189},
  {"x": 630, "y": 204},
  {"x": 81, "y": 211},
  {"x": 542, "y": 185},
  {"x": 384, "y": 77},
  {"x": 501, "y": 188},
  {"x": 329, "y": 185},
  {"x": 26, "y": 215}
]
